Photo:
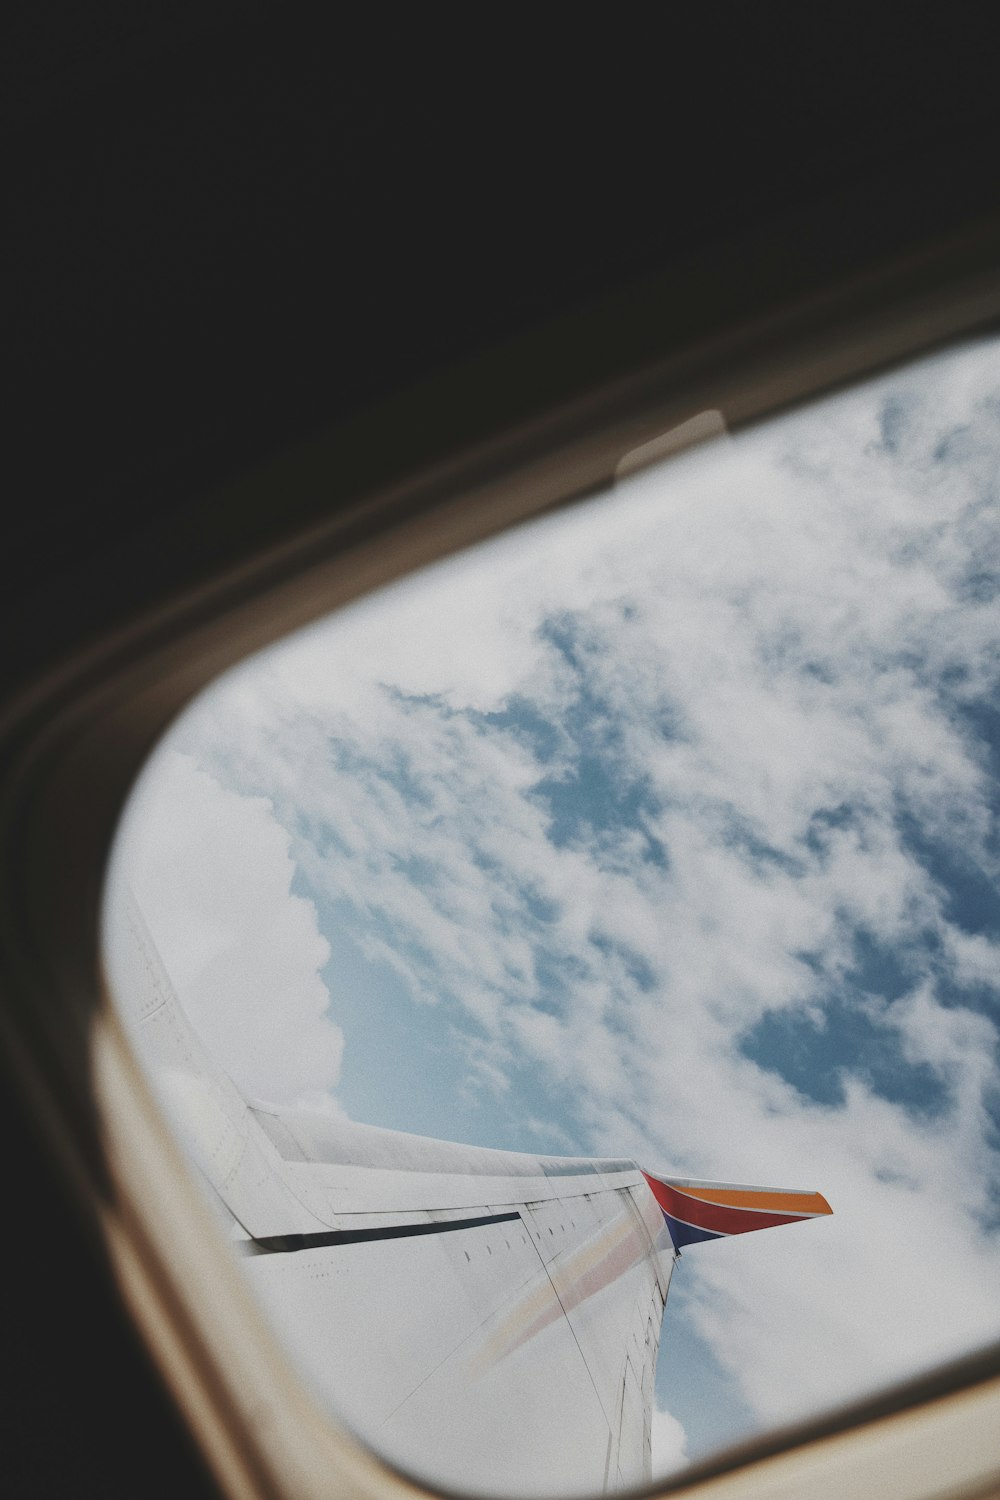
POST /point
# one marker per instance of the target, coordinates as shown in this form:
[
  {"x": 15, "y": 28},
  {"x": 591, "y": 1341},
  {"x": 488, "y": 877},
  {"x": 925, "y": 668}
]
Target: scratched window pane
[{"x": 656, "y": 843}]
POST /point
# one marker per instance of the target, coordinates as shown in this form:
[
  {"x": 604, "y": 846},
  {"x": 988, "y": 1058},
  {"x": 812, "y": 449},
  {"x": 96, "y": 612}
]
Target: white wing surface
[{"x": 487, "y": 1319}]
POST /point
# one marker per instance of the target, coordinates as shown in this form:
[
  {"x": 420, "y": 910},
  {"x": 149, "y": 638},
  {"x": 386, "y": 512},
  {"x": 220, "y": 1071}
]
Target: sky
[{"x": 666, "y": 827}]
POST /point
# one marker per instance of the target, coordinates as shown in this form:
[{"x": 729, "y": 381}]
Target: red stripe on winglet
[{"x": 714, "y": 1216}]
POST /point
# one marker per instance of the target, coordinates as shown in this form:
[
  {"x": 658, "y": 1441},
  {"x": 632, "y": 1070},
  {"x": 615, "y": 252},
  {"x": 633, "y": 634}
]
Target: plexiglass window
[{"x": 507, "y": 945}]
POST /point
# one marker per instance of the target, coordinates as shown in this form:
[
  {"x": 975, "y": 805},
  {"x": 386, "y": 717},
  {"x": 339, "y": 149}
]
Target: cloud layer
[
  {"x": 677, "y": 815},
  {"x": 212, "y": 871}
]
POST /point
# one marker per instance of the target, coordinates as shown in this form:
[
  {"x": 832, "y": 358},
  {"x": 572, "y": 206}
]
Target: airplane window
[{"x": 630, "y": 881}]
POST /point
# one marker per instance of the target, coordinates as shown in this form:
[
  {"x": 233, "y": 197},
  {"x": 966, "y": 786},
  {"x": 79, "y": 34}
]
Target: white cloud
[
  {"x": 211, "y": 872},
  {"x": 669, "y": 1444}
]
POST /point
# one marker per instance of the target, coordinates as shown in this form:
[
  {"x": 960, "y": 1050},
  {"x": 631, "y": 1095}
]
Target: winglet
[{"x": 712, "y": 1210}]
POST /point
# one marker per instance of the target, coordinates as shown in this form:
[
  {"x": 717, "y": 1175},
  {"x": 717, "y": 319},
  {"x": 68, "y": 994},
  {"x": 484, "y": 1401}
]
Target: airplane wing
[{"x": 486, "y": 1318}]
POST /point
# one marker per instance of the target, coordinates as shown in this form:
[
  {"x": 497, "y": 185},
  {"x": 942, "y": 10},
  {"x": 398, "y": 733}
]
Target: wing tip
[{"x": 712, "y": 1210}]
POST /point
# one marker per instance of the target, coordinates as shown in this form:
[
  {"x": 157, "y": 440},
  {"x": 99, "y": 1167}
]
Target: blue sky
[{"x": 665, "y": 827}]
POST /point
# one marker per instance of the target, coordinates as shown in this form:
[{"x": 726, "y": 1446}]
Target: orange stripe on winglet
[{"x": 762, "y": 1199}]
